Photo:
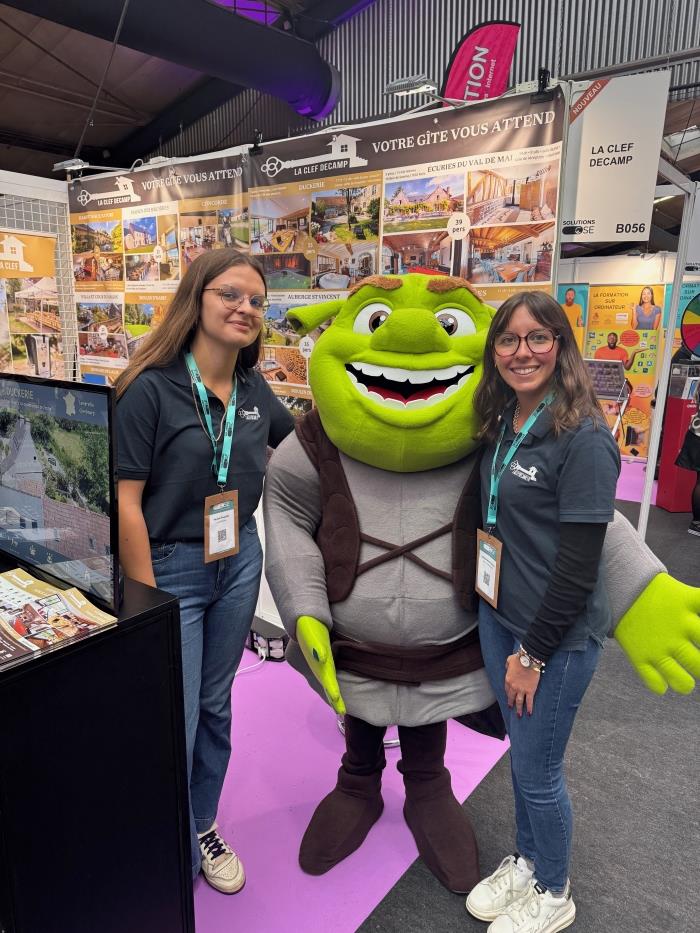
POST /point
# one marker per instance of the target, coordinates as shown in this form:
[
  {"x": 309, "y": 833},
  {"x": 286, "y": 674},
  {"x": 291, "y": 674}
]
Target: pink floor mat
[{"x": 286, "y": 752}]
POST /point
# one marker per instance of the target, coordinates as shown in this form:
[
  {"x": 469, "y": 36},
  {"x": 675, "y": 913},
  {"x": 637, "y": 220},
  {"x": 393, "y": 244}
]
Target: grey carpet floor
[{"x": 632, "y": 767}]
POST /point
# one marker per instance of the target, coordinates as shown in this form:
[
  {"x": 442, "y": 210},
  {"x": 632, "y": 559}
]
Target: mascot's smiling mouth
[{"x": 407, "y": 388}]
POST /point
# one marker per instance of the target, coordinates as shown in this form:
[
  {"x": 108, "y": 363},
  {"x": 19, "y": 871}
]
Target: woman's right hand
[{"x": 134, "y": 544}]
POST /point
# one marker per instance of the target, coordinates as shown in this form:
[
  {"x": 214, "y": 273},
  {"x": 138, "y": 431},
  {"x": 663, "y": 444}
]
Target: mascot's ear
[{"x": 308, "y": 317}]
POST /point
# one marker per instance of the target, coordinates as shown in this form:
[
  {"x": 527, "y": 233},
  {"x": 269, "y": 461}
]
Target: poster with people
[
  {"x": 639, "y": 307},
  {"x": 636, "y": 354},
  {"x": 30, "y": 324},
  {"x": 573, "y": 298}
]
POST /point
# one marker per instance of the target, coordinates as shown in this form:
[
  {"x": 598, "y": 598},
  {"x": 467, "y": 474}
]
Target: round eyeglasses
[
  {"x": 538, "y": 341},
  {"x": 232, "y": 299}
]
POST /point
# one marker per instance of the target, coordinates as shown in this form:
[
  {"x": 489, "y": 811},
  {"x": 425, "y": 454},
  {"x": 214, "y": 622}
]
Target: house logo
[
  {"x": 529, "y": 474},
  {"x": 69, "y": 402},
  {"x": 253, "y": 415},
  {"x": 343, "y": 155},
  {"x": 125, "y": 194},
  {"x": 12, "y": 254}
]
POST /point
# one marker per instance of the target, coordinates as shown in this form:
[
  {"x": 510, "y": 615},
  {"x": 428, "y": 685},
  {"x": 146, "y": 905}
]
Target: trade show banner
[
  {"x": 30, "y": 324},
  {"x": 472, "y": 192},
  {"x": 132, "y": 237},
  {"x": 613, "y": 157},
  {"x": 639, "y": 307},
  {"x": 619, "y": 329},
  {"x": 480, "y": 64}
]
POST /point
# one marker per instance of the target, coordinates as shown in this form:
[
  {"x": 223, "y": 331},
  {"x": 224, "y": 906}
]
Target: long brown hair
[
  {"x": 163, "y": 345},
  {"x": 574, "y": 399}
]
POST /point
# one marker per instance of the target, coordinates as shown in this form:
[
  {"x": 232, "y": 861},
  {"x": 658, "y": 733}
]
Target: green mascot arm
[
  {"x": 660, "y": 634},
  {"x": 315, "y": 643},
  {"x": 655, "y": 617}
]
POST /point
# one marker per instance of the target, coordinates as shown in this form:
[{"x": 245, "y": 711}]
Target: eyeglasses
[
  {"x": 538, "y": 341},
  {"x": 232, "y": 299}
]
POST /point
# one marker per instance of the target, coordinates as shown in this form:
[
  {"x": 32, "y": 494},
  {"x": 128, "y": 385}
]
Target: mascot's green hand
[
  {"x": 660, "y": 633},
  {"x": 315, "y": 643}
]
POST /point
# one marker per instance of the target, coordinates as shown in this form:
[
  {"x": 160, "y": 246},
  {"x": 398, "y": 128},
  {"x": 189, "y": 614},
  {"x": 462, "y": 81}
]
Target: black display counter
[{"x": 94, "y": 833}]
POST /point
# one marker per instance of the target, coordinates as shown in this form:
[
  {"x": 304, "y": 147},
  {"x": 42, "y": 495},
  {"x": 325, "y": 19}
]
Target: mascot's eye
[
  {"x": 456, "y": 322},
  {"x": 371, "y": 317}
]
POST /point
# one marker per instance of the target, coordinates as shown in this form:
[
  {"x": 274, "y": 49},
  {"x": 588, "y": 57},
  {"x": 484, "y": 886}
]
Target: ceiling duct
[{"x": 202, "y": 36}]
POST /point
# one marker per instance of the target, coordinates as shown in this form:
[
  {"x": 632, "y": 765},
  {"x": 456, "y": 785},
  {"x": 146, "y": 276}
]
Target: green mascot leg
[
  {"x": 345, "y": 816},
  {"x": 441, "y": 828}
]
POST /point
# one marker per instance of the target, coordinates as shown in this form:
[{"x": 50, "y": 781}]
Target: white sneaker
[
  {"x": 495, "y": 894},
  {"x": 537, "y": 911},
  {"x": 221, "y": 866}
]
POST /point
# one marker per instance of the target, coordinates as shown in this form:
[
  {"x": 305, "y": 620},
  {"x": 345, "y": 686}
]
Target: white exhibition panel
[{"x": 612, "y": 158}]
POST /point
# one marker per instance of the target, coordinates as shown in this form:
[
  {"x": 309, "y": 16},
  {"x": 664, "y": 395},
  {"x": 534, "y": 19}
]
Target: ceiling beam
[
  {"x": 209, "y": 39},
  {"x": 206, "y": 96},
  {"x": 312, "y": 24},
  {"x": 41, "y": 144}
]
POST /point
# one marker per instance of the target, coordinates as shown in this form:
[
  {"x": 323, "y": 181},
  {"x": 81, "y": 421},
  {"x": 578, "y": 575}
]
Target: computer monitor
[{"x": 58, "y": 514}]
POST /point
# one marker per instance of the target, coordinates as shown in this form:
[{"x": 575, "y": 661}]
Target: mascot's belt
[{"x": 408, "y": 666}]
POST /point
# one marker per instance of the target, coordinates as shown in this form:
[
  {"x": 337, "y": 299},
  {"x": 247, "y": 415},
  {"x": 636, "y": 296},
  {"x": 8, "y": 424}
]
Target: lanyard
[
  {"x": 517, "y": 441},
  {"x": 220, "y": 471}
]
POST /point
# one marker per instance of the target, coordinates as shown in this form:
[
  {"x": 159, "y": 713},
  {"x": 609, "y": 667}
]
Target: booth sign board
[{"x": 615, "y": 132}]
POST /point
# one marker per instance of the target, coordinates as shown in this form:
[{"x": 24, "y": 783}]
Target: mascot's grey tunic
[{"x": 398, "y": 602}]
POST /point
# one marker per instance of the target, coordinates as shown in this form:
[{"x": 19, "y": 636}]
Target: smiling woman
[
  {"x": 195, "y": 419},
  {"x": 548, "y": 481}
]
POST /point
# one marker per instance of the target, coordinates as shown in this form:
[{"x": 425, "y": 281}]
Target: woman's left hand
[{"x": 521, "y": 685}]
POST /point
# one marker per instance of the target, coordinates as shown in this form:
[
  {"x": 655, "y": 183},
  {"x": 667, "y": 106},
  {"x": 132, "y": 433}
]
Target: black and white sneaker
[
  {"x": 220, "y": 865},
  {"x": 694, "y": 528}
]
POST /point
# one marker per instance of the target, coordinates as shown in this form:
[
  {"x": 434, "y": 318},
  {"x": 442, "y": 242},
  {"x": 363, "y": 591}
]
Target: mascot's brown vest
[
  {"x": 339, "y": 536},
  {"x": 339, "y": 539}
]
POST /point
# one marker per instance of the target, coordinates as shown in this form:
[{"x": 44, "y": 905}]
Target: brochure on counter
[{"x": 36, "y": 616}]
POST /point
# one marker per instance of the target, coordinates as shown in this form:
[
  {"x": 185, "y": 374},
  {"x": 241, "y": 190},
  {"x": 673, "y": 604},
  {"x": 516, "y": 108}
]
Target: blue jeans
[
  {"x": 537, "y": 744},
  {"x": 217, "y": 604}
]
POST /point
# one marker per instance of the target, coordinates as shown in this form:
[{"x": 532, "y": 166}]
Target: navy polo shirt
[
  {"x": 569, "y": 478},
  {"x": 160, "y": 439}
]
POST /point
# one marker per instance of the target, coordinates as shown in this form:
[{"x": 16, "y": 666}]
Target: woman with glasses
[
  {"x": 194, "y": 420},
  {"x": 549, "y": 474}
]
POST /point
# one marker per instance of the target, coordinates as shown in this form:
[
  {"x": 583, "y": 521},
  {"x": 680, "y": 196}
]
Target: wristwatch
[{"x": 527, "y": 660}]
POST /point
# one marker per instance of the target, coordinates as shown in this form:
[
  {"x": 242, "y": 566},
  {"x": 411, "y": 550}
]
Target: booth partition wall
[{"x": 41, "y": 209}]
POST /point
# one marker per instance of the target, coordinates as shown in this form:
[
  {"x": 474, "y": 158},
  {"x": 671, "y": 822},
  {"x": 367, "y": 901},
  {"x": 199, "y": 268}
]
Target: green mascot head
[{"x": 394, "y": 375}]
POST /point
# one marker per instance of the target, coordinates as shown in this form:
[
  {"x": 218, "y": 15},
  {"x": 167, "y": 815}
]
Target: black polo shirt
[
  {"x": 569, "y": 478},
  {"x": 160, "y": 439}
]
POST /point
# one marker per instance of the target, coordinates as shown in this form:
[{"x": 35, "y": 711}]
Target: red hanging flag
[{"x": 480, "y": 63}]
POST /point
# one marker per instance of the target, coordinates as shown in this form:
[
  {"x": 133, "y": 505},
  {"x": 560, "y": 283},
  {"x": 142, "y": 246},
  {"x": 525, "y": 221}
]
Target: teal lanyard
[
  {"x": 220, "y": 470},
  {"x": 496, "y": 474}
]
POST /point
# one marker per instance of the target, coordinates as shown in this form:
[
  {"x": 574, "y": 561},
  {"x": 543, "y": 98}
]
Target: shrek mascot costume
[{"x": 371, "y": 511}]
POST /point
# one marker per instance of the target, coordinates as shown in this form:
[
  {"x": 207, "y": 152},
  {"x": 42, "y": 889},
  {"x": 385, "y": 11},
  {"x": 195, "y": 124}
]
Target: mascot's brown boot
[
  {"x": 440, "y": 826},
  {"x": 344, "y": 817}
]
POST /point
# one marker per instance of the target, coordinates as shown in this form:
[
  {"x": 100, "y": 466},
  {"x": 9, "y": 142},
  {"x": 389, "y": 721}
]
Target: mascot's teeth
[
  {"x": 415, "y": 377},
  {"x": 388, "y": 402},
  {"x": 412, "y": 377}
]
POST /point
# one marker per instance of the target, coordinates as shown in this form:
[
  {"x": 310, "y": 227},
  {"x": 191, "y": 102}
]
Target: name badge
[
  {"x": 488, "y": 566},
  {"x": 220, "y": 526}
]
